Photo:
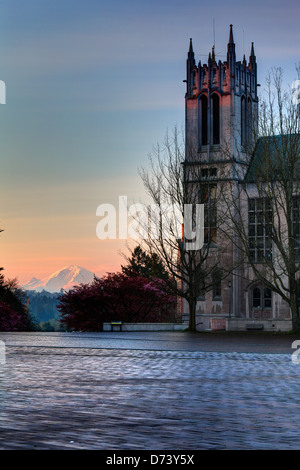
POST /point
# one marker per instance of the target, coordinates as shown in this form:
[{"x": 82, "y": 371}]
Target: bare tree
[
  {"x": 265, "y": 209},
  {"x": 190, "y": 253}
]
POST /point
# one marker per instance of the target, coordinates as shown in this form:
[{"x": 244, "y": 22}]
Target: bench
[
  {"x": 254, "y": 326},
  {"x": 116, "y": 326}
]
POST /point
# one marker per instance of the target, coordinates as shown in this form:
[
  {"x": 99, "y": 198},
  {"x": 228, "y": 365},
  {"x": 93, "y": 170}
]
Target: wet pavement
[
  {"x": 170, "y": 341},
  {"x": 148, "y": 391}
]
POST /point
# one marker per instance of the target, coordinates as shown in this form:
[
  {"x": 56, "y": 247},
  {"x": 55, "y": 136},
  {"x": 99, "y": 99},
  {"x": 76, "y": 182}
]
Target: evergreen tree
[{"x": 144, "y": 265}]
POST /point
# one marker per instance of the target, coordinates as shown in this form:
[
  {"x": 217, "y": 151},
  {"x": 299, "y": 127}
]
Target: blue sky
[{"x": 91, "y": 86}]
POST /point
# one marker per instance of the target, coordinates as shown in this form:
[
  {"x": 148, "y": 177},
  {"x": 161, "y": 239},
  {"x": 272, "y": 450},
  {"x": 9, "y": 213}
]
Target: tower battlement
[{"x": 221, "y": 102}]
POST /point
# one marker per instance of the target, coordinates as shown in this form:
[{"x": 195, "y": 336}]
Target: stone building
[{"x": 221, "y": 109}]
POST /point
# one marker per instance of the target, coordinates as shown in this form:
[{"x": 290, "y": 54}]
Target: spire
[
  {"x": 231, "y": 52},
  {"x": 190, "y": 64},
  {"x": 231, "y": 45},
  {"x": 213, "y": 57},
  {"x": 252, "y": 57},
  {"x": 231, "y": 40},
  {"x": 191, "y": 55},
  {"x": 191, "y": 51}
]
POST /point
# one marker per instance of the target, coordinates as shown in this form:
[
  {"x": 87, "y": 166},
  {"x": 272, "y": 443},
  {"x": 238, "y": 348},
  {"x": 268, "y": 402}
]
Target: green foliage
[
  {"x": 47, "y": 326},
  {"x": 144, "y": 265},
  {"x": 43, "y": 306}
]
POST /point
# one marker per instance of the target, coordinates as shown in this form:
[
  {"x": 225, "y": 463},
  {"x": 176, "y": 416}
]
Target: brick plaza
[{"x": 141, "y": 391}]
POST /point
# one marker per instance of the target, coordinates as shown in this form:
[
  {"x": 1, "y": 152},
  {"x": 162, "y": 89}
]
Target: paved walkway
[
  {"x": 82, "y": 391},
  {"x": 172, "y": 341}
]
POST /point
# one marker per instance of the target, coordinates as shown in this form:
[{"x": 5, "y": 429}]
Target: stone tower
[{"x": 221, "y": 107}]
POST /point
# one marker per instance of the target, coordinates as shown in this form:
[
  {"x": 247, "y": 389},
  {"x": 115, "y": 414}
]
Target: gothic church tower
[{"x": 221, "y": 107}]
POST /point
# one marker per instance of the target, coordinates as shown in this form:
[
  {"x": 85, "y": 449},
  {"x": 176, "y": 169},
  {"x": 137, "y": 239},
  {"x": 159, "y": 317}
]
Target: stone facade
[{"x": 221, "y": 109}]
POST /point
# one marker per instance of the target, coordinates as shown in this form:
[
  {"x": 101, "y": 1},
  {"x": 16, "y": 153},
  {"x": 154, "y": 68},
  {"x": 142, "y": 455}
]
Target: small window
[
  {"x": 262, "y": 298},
  {"x": 208, "y": 172},
  {"x": 204, "y": 173},
  {"x": 267, "y": 298}
]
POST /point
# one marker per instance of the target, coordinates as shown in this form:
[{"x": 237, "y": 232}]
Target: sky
[{"x": 91, "y": 87}]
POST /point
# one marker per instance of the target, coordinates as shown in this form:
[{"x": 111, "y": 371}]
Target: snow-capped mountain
[{"x": 65, "y": 278}]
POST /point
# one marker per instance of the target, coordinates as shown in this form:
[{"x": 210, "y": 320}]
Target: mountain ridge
[{"x": 65, "y": 278}]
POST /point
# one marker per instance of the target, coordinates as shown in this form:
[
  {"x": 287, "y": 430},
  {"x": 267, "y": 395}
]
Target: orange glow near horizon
[
  {"x": 98, "y": 256},
  {"x": 56, "y": 227}
]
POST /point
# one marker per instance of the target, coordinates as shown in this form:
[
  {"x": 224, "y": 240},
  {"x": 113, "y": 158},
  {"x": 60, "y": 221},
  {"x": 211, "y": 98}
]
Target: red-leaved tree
[
  {"x": 10, "y": 320},
  {"x": 14, "y": 315},
  {"x": 116, "y": 297}
]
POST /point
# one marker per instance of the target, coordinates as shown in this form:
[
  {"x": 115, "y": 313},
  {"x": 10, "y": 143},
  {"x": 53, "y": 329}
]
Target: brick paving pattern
[{"x": 87, "y": 398}]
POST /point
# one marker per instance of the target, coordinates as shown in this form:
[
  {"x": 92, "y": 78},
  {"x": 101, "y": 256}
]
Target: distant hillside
[{"x": 42, "y": 306}]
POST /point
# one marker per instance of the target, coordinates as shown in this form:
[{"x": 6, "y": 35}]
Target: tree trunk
[
  {"x": 192, "y": 315},
  {"x": 295, "y": 313}
]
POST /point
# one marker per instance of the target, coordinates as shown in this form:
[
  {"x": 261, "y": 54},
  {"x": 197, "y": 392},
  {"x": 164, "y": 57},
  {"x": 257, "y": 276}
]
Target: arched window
[
  {"x": 249, "y": 120},
  {"x": 204, "y": 108},
  {"x": 216, "y": 119},
  {"x": 256, "y": 301},
  {"x": 243, "y": 120}
]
